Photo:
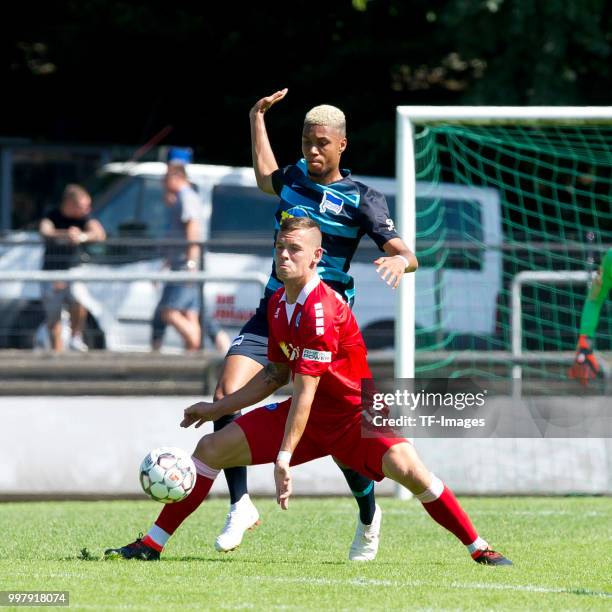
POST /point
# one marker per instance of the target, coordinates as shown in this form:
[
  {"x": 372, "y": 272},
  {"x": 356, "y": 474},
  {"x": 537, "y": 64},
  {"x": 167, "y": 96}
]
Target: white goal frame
[{"x": 407, "y": 118}]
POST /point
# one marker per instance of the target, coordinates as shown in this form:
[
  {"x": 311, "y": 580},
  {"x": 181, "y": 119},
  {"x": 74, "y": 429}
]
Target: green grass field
[{"x": 296, "y": 560}]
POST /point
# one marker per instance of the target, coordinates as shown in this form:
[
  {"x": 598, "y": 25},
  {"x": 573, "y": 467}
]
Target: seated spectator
[{"x": 65, "y": 229}]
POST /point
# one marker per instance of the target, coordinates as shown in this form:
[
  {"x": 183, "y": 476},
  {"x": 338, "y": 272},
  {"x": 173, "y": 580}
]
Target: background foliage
[{"x": 114, "y": 71}]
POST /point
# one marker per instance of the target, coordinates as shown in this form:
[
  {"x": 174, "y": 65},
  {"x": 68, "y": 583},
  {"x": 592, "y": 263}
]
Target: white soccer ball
[{"x": 167, "y": 474}]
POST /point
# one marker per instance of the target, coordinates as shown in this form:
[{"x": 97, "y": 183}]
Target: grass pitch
[{"x": 297, "y": 560}]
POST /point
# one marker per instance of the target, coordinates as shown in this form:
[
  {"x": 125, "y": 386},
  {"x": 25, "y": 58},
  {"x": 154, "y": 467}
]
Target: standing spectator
[
  {"x": 65, "y": 229},
  {"x": 180, "y": 303}
]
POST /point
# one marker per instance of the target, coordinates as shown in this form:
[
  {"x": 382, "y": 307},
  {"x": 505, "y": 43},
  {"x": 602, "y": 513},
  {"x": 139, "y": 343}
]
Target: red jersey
[{"x": 319, "y": 336}]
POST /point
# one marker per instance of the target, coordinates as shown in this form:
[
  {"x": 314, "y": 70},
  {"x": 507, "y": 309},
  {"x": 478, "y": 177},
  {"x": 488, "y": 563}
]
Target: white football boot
[
  {"x": 242, "y": 516},
  {"x": 365, "y": 542}
]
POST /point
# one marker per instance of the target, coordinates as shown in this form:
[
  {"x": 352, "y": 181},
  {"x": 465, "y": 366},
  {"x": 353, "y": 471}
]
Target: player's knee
[
  {"x": 402, "y": 464},
  {"x": 225, "y": 386},
  {"x": 208, "y": 451}
]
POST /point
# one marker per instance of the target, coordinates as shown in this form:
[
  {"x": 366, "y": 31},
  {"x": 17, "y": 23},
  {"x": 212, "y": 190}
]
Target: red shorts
[{"x": 337, "y": 434}]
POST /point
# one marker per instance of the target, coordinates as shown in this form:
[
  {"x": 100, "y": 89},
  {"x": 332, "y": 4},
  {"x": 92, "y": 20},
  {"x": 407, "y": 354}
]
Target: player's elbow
[{"x": 264, "y": 182}]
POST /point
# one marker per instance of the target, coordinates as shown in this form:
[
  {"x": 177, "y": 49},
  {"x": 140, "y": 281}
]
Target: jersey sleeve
[
  {"x": 281, "y": 177},
  {"x": 275, "y": 353},
  {"x": 191, "y": 205},
  {"x": 319, "y": 335},
  {"x": 376, "y": 221},
  {"x": 597, "y": 295}
]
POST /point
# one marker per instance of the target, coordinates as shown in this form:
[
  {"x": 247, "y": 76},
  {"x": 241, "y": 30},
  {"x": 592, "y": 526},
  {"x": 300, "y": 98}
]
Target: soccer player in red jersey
[{"x": 314, "y": 338}]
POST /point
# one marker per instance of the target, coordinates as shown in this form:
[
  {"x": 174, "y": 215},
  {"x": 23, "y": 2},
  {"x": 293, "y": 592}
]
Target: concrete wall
[{"x": 94, "y": 446}]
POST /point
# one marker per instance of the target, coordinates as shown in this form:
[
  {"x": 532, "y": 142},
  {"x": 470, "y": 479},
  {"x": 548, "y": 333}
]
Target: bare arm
[
  {"x": 304, "y": 388},
  {"x": 47, "y": 229},
  {"x": 192, "y": 234},
  {"x": 391, "y": 268},
  {"x": 263, "y": 384},
  {"x": 304, "y": 391},
  {"x": 94, "y": 231},
  {"x": 71, "y": 234},
  {"x": 264, "y": 162}
]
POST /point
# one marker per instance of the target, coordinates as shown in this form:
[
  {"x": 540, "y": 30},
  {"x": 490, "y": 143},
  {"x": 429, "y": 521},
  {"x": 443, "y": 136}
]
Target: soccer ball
[{"x": 167, "y": 474}]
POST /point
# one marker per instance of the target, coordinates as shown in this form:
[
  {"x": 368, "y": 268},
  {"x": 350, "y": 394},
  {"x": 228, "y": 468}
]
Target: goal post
[{"x": 551, "y": 170}]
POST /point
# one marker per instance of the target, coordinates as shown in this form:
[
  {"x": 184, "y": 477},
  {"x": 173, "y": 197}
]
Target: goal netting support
[{"x": 509, "y": 210}]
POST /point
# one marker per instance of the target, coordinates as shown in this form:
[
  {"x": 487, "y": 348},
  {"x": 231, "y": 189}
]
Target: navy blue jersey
[{"x": 345, "y": 211}]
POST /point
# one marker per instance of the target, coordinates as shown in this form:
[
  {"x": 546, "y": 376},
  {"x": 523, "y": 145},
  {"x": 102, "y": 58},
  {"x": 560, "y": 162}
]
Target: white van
[{"x": 128, "y": 202}]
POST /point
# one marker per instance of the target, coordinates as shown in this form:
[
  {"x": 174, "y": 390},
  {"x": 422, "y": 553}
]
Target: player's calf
[
  {"x": 169, "y": 520},
  {"x": 402, "y": 464}
]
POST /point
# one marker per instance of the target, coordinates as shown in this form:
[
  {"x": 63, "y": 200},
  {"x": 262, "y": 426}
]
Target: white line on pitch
[{"x": 366, "y": 582}]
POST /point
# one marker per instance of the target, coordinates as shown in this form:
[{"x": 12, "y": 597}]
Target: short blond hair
[
  {"x": 289, "y": 224},
  {"x": 329, "y": 116}
]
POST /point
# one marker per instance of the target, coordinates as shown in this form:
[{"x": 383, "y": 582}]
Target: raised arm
[{"x": 264, "y": 162}]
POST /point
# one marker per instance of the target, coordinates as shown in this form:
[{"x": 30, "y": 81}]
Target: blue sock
[
  {"x": 363, "y": 490},
  {"x": 236, "y": 477}
]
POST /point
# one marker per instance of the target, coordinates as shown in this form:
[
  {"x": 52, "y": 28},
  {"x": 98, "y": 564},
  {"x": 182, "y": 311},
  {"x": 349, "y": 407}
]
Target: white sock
[
  {"x": 432, "y": 493},
  {"x": 204, "y": 470},
  {"x": 477, "y": 544},
  {"x": 158, "y": 535}
]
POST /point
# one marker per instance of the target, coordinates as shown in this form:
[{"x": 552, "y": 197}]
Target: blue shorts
[
  {"x": 180, "y": 296},
  {"x": 54, "y": 297},
  {"x": 252, "y": 341}
]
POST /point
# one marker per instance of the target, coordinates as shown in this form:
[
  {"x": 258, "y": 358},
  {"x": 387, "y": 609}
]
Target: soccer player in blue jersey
[{"x": 346, "y": 210}]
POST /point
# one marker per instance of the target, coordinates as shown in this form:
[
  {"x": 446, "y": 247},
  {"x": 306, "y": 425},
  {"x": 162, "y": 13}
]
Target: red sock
[
  {"x": 444, "y": 508},
  {"x": 172, "y": 515}
]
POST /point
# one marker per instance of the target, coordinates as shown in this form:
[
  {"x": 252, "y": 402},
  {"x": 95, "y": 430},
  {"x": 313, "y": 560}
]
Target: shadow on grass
[{"x": 86, "y": 555}]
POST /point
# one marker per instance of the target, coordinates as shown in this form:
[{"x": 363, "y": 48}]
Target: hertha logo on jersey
[{"x": 331, "y": 202}]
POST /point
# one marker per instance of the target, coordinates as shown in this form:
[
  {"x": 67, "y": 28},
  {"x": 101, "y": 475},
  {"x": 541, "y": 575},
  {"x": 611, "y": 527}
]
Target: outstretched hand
[
  {"x": 390, "y": 269},
  {"x": 263, "y": 105},
  {"x": 199, "y": 413}
]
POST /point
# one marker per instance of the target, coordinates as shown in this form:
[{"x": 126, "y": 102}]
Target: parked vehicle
[{"x": 128, "y": 202}]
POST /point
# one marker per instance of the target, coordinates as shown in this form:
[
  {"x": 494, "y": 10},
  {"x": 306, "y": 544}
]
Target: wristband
[
  {"x": 405, "y": 260},
  {"x": 284, "y": 456}
]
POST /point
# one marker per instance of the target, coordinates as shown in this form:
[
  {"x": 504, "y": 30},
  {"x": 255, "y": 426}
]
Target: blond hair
[
  {"x": 289, "y": 224},
  {"x": 326, "y": 115}
]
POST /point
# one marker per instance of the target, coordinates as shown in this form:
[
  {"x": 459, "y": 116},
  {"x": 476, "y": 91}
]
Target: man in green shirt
[{"x": 585, "y": 366}]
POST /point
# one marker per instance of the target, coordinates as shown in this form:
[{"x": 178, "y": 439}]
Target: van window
[
  {"x": 239, "y": 210},
  {"x": 154, "y": 213},
  {"x": 122, "y": 208}
]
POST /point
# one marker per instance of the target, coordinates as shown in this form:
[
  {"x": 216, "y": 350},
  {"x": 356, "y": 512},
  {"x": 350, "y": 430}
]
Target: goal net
[
  {"x": 509, "y": 211},
  {"x": 495, "y": 197}
]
